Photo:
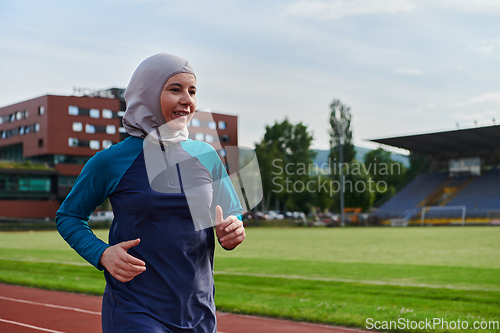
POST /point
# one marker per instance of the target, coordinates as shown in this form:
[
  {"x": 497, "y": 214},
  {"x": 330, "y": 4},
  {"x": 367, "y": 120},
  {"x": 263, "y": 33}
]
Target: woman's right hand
[{"x": 121, "y": 265}]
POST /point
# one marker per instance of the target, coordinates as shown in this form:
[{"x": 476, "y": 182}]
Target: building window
[
  {"x": 195, "y": 122},
  {"x": 122, "y": 130},
  {"x": 222, "y": 124},
  {"x": 40, "y": 142},
  {"x": 37, "y": 127},
  {"x": 59, "y": 159},
  {"x": 26, "y": 114},
  {"x": 41, "y": 110},
  {"x": 222, "y": 152},
  {"x": 94, "y": 144},
  {"x": 77, "y": 127},
  {"x": 66, "y": 181},
  {"x": 19, "y": 115},
  {"x": 121, "y": 114},
  {"x": 83, "y": 112},
  {"x": 111, "y": 129},
  {"x": 94, "y": 113},
  {"x": 209, "y": 138},
  {"x": 73, "y": 142},
  {"x": 29, "y": 129},
  {"x": 106, "y": 144},
  {"x": 212, "y": 125},
  {"x": 89, "y": 128},
  {"x": 21, "y": 130},
  {"x": 34, "y": 184},
  {"x": 199, "y": 136},
  {"x": 108, "y": 114},
  {"x": 72, "y": 110},
  {"x": 12, "y": 117},
  {"x": 225, "y": 138},
  {"x": 70, "y": 159}
]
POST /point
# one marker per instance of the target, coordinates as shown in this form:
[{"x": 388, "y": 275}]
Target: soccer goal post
[{"x": 443, "y": 212}]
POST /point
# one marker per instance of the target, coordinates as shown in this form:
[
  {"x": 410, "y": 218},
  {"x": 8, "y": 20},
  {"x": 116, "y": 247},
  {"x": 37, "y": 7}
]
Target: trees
[
  {"x": 359, "y": 188},
  {"x": 418, "y": 164},
  {"x": 341, "y": 132},
  {"x": 284, "y": 155},
  {"x": 383, "y": 168},
  {"x": 353, "y": 190},
  {"x": 269, "y": 157}
]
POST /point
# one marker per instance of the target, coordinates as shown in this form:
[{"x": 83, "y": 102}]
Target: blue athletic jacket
[{"x": 176, "y": 292}]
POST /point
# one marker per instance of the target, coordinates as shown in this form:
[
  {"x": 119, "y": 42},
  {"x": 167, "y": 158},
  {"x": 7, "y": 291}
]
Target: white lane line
[
  {"x": 47, "y": 305},
  {"x": 29, "y": 326},
  {"x": 50, "y": 305},
  {"x": 380, "y": 283},
  {"x": 291, "y": 277}
]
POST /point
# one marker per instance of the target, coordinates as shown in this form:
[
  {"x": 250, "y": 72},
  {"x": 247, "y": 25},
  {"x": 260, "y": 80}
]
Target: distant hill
[{"x": 322, "y": 156}]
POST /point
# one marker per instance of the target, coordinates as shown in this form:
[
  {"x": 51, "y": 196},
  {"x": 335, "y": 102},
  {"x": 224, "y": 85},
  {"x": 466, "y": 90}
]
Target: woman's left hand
[{"x": 230, "y": 231}]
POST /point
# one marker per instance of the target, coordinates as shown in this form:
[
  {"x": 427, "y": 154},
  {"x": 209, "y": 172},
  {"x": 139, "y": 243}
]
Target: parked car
[
  {"x": 328, "y": 219},
  {"x": 101, "y": 216},
  {"x": 299, "y": 216},
  {"x": 272, "y": 215},
  {"x": 260, "y": 216}
]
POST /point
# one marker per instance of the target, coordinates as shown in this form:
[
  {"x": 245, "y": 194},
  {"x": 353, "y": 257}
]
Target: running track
[{"x": 28, "y": 310}]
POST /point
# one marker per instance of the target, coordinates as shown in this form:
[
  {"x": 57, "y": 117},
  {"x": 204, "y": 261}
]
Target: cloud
[
  {"x": 476, "y": 116},
  {"x": 468, "y": 6},
  {"x": 492, "y": 97},
  {"x": 486, "y": 45},
  {"x": 336, "y": 9},
  {"x": 410, "y": 71}
]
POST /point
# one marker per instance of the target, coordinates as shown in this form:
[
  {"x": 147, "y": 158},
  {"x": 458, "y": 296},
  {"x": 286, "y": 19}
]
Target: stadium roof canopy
[{"x": 481, "y": 141}]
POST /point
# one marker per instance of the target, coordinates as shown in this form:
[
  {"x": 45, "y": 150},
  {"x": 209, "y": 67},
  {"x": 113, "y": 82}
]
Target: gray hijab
[{"x": 143, "y": 114}]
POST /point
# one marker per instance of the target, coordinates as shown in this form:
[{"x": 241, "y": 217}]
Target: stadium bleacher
[
  {"x": 407, "y": 200},
  {"x": 479, "y": 195},
  {"x": 466, "y": 188}
]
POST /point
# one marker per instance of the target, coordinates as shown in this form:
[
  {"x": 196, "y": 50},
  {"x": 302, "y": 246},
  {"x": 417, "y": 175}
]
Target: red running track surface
[{"x": 28, "y": 310}]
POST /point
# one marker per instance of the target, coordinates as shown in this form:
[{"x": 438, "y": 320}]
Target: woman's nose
[{"x": 186, "y": 99}]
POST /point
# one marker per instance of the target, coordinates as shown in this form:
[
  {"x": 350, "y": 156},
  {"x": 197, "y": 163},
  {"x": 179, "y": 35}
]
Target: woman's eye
[
  {"x": 193, "y": 92},
  {"x": 175, "y": 89}
]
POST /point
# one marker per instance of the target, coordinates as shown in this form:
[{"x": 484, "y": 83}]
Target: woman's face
[{"x": 178, "y": 100}]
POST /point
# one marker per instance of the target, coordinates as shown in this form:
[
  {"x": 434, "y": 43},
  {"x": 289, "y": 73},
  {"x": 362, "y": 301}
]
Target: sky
[{"x": 402, "y": 66}]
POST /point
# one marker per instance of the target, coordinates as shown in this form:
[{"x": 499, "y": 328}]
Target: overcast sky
[{"x": 403, "y": 66}]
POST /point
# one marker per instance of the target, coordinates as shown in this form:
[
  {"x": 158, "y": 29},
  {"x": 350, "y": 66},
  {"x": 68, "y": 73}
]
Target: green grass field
[{"x": 337, "y": 276}]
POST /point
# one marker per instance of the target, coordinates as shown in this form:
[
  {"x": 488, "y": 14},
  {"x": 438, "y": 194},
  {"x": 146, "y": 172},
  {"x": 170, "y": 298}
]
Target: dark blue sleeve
[{"x": 96, "y": 182}]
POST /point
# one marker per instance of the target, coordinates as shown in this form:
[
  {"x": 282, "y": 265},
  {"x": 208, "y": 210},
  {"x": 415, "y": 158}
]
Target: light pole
[{"x": 341, "y": 161}]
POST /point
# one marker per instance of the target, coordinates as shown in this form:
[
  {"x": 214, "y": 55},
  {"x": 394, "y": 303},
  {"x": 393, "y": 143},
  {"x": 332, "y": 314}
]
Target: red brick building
[{"x": 63, "y": 132}]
